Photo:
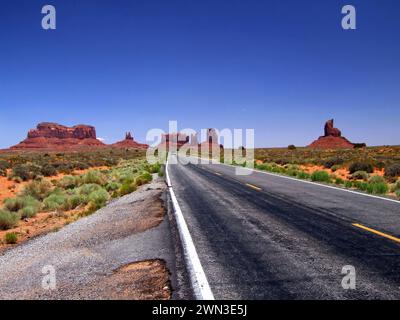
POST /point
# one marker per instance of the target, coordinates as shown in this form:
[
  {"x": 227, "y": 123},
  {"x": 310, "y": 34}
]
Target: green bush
[
  {"x": 11, "y": 238},
  {"x": 155, "y": 168},
  {"x": 112, "y": 186},
  {"x": 127, "y": 188},
  {"x": 361, "y": 166},
  {"x": 336, "y": 167},
  {"x": 38, "y": 189},
  {"x": 48, "y": 170},
  {"x": 398, "y": 193},
  {"x": 21, "y": 171},
  {"x": 332, "y": 162},
  {"x": 87, "y": 189},
  {"x": 376, "y": 179},
  {"x": 377, "y": 188},
  {"x": 348, "y": 184},
  {"x": 4, "y": 165},
  {"x": 99, "y": 198},
  {"x": 56, "y": 201},
  {"x": 303, "y": 175},
  {"x": 94, "y": 176},
  {"x": 320, "y": 176},
  {"x": 339, "y": 181},
  {"x": 76, "y": 200},
  {"x": 393, "y": 170},
  {"x": 68, "y": 182},
  {"x": 8, "y": 219},
  {"x": 19, "y": 203},
  {"x": 144, "y": 178},
  {"x": 360, "y": 175},
  {"x": 28, "y": 211}
]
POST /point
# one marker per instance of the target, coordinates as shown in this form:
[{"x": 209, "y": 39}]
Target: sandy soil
[
  {"x": 43, "y": 222},
  {"x": 144, "y": 280}
]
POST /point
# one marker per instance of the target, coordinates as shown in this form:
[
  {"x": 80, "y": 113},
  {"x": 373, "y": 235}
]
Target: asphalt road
[{"x": 269, "y": 237}]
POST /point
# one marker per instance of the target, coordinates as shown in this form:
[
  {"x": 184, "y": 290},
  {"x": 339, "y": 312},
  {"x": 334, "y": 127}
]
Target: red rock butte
[
  {"x": 53, "y": 136},
  {"x": 129, "y": 142},
  {"x": 332, "y": 139},
  {"x": 49, "y": 135}
]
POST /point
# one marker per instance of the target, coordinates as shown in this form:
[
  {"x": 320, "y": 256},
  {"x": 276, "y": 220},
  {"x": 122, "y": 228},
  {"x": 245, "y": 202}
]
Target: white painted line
[
  {"x": 198, "y": 279},
  {"x": 313, "y": 183}
]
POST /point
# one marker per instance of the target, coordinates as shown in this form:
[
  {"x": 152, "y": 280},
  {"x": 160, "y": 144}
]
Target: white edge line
[
  {"x": 198, "y": 279},
  {"x": 310, "y": 182}
]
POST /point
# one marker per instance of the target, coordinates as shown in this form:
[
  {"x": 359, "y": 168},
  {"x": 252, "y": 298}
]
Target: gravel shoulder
[{"x": 123, "y": 251}]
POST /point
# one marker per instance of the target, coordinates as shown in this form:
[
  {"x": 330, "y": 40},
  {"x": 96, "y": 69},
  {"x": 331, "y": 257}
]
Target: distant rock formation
[
  {"x": 174, "y": 140},
  {"x": 129, "y": 142},
  {"x": 211, "y": 143},
  {"x": 49, "y": 135},
  {"x": 332, "y": 139}
]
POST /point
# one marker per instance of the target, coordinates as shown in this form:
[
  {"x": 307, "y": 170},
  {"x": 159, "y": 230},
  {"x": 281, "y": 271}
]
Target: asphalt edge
[{"x": 198, "y": 280}]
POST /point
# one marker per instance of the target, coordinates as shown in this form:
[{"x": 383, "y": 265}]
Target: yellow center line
[
  {"x": 253, "y": 187},
  {"x": 376, "y": 232}
]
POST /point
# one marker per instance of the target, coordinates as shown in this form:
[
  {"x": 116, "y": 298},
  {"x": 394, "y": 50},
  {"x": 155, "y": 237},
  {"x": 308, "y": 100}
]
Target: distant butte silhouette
[{"x": 332, "y": 139}]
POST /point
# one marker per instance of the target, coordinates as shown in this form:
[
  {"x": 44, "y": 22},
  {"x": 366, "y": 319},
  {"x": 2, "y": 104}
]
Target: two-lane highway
[{"x": 268, "y": 237}]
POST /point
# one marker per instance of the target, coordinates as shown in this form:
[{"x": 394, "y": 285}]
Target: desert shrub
[
  {"x": 55, "y": 201},
  {"x": 378, "y": 188},
  {"x": 263, "y": 166},
  {"x": 292, "y": 147},
  {"x": 76, "y": 200},
  {"x": 68, "y": 182},
  {"x": 348, "y": 184},
  {"x": 87, "y": 189},
  {"x": 81, "y": 166},
  {"x": 398, "y": 193},
  {"x": 393, "y": 170},
  {"x": 376, "y": 179},
  {"x": 28, "y": 211},
  {"x": 11, "y": 238},
  {"x": 155, "y": 168},
  {"x": 303, "y": 175},
  {"x": 94, "y": 176},
  {"x": 336, "y": 167},
  {"x": 18, "y": 203},
  {"x": 126, "y": 188},
  {"x": 320, "y": 176},
  {"x": 360, "y": 175},
  {"x": 4, "y": 165},
  {"x": 361, "y": 185},
  {"x": 339, "y": 181},
  {"x": 99, "y": 198},
  {"x": 112, "y": 186},
  {"x": 48, "y": 170},
  {"x": 21, "y": 171},
  {"x": 3, "y": 172},
  {"x": 332, "y": 162},
  {"x": 144, "y": 178},
  {"x": 8, "y": 219},
  {"x": 361, "y": 166},
  {"x": 359, "y": 145},
  {"x": 38, "y": 189}
]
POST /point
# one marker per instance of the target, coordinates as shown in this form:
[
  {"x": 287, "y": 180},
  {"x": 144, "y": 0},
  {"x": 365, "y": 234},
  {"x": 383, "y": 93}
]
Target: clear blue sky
[{"x": 280, "y": 67}]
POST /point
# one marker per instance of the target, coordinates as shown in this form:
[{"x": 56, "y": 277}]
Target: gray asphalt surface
[
  {"x": 85, "y": 252},
  {"x": 288, "y": 239}
]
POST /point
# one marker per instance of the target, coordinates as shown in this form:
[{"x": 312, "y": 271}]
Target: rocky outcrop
[
  {"x": 332, "y": 139},
  {"x": 48, "y": 135},
  {"x": 129, "y": 142}
]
